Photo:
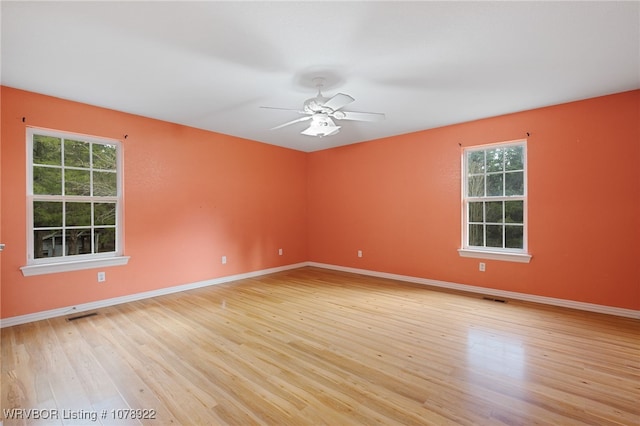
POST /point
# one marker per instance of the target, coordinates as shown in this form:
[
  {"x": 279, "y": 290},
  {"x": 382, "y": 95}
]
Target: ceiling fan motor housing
[{"x": 313, "y": 105}]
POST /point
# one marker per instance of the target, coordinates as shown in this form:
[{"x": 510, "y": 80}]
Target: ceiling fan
[{"x": 321, "y": 111}]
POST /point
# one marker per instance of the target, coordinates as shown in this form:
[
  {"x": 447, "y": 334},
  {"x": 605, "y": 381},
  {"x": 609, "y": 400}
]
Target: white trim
[
  {"x": 583, "y": 306},
  {"x": 67, "y": 310},
  {"x": 52, "y": 268},
  {"x": 37, "y": 316},
  {"x": 495, "y": 255}
]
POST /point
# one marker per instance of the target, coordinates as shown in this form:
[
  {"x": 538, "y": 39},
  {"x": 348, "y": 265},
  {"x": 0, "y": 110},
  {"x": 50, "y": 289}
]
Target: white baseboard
[
  {"x": 37, "y": 316},
  {"x": 591, "y": 307}
]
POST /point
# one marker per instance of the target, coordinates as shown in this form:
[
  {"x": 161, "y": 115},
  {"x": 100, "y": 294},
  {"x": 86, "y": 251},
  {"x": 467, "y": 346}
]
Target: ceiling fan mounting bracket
[{"x": 319, "y": 82}]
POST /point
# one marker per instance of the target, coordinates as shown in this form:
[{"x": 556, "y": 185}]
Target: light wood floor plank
[{"x": 318, "y": 347}]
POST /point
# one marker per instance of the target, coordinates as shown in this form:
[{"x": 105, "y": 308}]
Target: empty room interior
[{"x": 320, "y": 213}]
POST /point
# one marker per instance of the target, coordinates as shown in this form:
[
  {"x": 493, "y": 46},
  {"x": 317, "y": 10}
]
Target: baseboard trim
[
  {"x": 37, "y": 316},
  {"x": 591, "y": 307}
]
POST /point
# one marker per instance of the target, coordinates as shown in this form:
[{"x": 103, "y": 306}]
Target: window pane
[
  {"x": 514, "y": 211},
  {"x": 494, "y": 235},
  {"x": 47, "y": 214},
  {"x": 105, "y": 240},
  {"x": 47, "y": 243},
  {"x": 78, "y": 214},
  {"x": 494, "y": 185},
  {"x": 77, "y": 182},
  {"x": 514, "y": 158},
  {"x": 475, "y": 186},
  {"x": 475, "y": 162},
  {"x": 494, "y": 211},
  {"x": 105, "y": 184},
  {"x": 514, "y": 236},
  {"x": 47, "y": 150},
  {"x": 104, "y": 214},
  {"x": 104, "y": 157},
  {"x": 78, "y": 241},
  {"x": 476, "y": 235},
  {"x": 476, "y": 212},
  {"x": 495, "y": 160},
  {"x": 76, "y": 154},
  {"x": 47, "y": 180},
  {"x": 514, "y": 183}
]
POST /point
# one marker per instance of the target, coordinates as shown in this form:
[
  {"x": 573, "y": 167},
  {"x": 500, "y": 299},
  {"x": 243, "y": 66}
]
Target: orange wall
[
  {"x": 398, "y": 200},
  {"x": 191, "y": 196}
]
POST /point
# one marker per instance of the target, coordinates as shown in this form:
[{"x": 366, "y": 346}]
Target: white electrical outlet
[
  {"x": 279, "y": 252},
  {"x": 482, "y": 267},
  {"x": 224, "y": 260},
  {"x": 102, "y": 277},
  {"x": 359, "y": 253}
]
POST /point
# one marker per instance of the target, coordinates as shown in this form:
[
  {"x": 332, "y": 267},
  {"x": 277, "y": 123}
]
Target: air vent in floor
[
  {"x": 77, "y": 317},
  {"x": 493, "y": 299}
]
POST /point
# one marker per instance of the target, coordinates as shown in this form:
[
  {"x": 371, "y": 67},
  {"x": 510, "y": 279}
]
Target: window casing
[
  {"x": 74, "y": 202},
  {"x": 495, "y": 202}
]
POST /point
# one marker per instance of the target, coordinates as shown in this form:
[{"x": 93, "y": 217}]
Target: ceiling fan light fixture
[
  {"x": 321, "y": 125},
  {"x": 321, "y": 131}
]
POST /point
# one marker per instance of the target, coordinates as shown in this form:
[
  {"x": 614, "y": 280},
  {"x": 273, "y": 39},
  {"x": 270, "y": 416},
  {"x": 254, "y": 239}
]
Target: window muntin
[
  {"x": 75, "y": 197},
  {"x": 494, "y": 202}
]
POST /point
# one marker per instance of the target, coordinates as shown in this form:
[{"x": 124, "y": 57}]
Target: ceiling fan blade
[
  {"x": 338, "y": 101},
  {"x": 360, "y": 116},
  {"x": 283, "y": 109},
  {"x": 291, "y": 122}
]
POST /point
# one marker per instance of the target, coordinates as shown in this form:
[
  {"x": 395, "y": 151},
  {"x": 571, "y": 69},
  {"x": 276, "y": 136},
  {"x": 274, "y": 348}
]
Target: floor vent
[
  {"x": 493, "y": 299},
  {"x": 77, "y": 317}
]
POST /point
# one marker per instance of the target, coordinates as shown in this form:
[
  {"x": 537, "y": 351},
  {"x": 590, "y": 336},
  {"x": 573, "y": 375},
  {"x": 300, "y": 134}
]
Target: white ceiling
[{"x": 211, "y": 65}]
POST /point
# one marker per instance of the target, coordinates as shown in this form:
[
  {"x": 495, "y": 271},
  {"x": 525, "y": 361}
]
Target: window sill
[
  {"x": 52, "y": 268},
  {"x": 495, "y": 255}
]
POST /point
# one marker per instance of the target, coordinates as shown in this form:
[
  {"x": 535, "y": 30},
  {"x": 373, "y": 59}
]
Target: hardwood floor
[{"x": 318, "y": 347}]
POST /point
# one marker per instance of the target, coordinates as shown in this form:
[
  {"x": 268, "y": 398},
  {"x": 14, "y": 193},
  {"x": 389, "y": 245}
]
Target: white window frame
[
  {"x": 38, "y": 266},
  {"x": 494, "y": 253}
]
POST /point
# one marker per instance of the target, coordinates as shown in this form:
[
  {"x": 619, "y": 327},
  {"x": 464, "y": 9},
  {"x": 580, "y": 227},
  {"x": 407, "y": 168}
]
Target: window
[
  {"x": 74, "y": 208},
  {"x": 495, "y": 202}
]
